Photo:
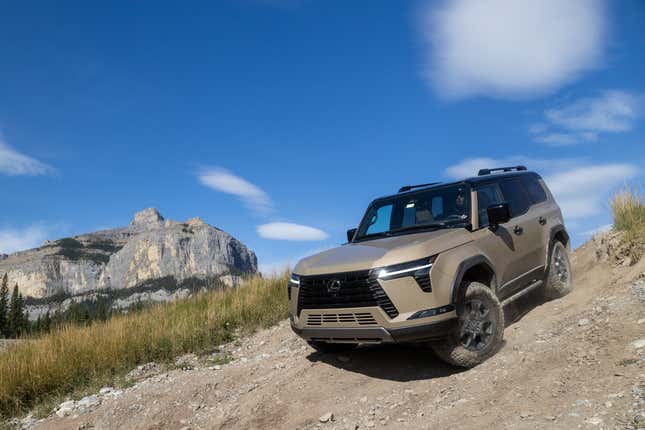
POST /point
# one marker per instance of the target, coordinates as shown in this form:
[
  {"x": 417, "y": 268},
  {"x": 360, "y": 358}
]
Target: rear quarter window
[
  {"x": 534, "y": 189},
  {"x": 516, "y": 196}
]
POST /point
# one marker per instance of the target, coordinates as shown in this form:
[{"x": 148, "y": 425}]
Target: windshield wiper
[
  {"x": 420, "y": 226},
  {"x": 373, "y": 235}
]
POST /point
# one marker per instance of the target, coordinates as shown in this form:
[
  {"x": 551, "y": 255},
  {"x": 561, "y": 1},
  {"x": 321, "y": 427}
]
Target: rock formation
[{"x": 149, "y": 249}]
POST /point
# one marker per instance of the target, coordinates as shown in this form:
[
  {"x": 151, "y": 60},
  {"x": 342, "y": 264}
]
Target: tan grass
[
  {"x": 628, "y": 208},
  {"x": 73, "y": 358}
]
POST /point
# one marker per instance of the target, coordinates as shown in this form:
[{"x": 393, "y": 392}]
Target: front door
[{"x": 512, "y": 245}]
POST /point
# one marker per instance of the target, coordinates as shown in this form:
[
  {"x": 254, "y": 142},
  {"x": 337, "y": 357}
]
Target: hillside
[
  {"x": 577, "y": 362},
  {"x": 150, "y": 259}
]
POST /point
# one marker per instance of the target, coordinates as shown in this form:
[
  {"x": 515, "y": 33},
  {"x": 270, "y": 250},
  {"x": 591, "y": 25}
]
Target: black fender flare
[
  {"x": 554, "y": 231},
  {"x": 463, "y": 268}
]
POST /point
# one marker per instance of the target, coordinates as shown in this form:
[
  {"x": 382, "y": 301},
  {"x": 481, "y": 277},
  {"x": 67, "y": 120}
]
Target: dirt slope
[{"x": 569, "y": 363}]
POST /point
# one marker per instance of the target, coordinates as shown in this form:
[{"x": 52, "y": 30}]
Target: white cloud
[
  {"x": 558, "y": 139},
  {"x": 290, "y": 231},
  {"x": 470, "y": 166},
  {"x": 582, "y": 192},
  {"x": 581, "y": 189},
  {"x": 12, "y": 240},
  {"x": 13, "y": 163},
  {"x": 510, "y": 48},
  {"x": 582, "y": 120},
  {"x": 613, "y": 111},
  {"x": 222, "y": 180}
]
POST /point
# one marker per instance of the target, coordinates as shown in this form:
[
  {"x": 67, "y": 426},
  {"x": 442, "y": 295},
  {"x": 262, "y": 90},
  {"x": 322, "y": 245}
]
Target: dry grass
[
  {"x": 75, "y": 358},
  {"x": 628, "y": 207}
]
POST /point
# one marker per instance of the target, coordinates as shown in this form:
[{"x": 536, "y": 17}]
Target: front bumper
[{"x": 416, "y": 333}]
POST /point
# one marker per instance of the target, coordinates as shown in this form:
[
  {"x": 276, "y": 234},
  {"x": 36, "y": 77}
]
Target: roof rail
[
  {"x": 483, "y": 172},
  {"x": 409, "y": 187}
]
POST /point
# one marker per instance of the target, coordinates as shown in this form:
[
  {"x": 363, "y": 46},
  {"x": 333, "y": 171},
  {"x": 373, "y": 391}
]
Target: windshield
[{"x": 441, "y": 207}]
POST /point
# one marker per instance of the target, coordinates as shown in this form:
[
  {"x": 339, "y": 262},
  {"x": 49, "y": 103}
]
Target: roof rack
[
  {"x": 483, "y": 172},
  {"x": 409, "y": 187}
]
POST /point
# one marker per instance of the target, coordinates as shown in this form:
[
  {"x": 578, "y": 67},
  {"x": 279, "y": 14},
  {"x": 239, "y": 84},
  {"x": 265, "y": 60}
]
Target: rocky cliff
[{"x": 149, "y": 249}]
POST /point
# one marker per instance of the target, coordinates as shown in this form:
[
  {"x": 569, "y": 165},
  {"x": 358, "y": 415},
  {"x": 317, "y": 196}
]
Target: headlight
[
  {"x": 294, "y": 281},
  {"x": 418, "y": 269},
  {"x": 405, "y": 269}
]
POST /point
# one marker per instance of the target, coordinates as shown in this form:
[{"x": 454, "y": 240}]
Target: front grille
[
  {"x": 352, "y": 290},
  {"x": 360, "y": 318}
]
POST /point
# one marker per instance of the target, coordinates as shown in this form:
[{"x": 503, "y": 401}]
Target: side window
[
  {"x": 437, "y": 206},
  {"x": 488, "y": 194},
  {"x": 515, "y": 194},
  {"x": 534, "y": 189},
  {"x": 380, "y": 220}
]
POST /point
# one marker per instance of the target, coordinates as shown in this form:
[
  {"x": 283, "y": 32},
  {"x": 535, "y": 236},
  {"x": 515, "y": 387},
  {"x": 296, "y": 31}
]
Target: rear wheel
[
  {"x": 479, "y": 332},
  {"x": 331, "y": 347},
  {"x": 558, "y": 280}
]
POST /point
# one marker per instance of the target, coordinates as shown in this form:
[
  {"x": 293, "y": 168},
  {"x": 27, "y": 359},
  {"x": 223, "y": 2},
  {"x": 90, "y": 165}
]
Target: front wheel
[
  {"x": 558, "y": 280},
  {"x": 479, "y": 332},
  {"x": 331, "y": 347}
]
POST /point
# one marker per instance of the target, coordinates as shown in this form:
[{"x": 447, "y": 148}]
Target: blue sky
[{"x": 278, "y": 121}]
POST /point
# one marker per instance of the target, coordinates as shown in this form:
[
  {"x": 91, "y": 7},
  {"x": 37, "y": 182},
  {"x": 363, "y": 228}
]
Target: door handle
[
  {"x": 542, "y": 220},
  {"x": 518, "y": 230}
]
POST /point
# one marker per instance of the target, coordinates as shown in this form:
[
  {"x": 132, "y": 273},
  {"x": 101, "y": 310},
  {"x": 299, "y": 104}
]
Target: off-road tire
[
  {"x": 558, "y": 282},
  {"x": 327, "y": 347},
  {"x": 453, "y": 350}
]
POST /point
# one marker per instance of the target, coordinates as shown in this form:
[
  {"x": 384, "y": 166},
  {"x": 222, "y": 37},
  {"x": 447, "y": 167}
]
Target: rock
[
  {"x": 594, "y": 421},
  {"x": 637, "y": 344},
  {"x": 147, "y": 217},
  {"x": 583, "y": 402},
  {"x": 148, "y": 252},
  {"x": 66, "y": 408},
  {"x": 583, "y": 322},
  {"x": 326, "y": 417},
  {"x": 144, "y": 371},
  {"x": 88, "y": 402},
  {"x": 641, "y": 321},
  {"x": 638, "y": 289}
]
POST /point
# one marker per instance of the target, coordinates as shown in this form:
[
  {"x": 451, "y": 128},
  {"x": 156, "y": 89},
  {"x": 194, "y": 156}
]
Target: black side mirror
[
  {"x": 350, "y": 234},
  {"x": 498, "y": 214}
]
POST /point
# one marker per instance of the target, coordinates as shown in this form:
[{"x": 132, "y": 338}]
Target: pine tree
[
  {"x": 16, "y": 314},
  {"x": 4, "y": 305},
  {"x": 47, "y": 322},
  {"x": 26, "y": 324}
]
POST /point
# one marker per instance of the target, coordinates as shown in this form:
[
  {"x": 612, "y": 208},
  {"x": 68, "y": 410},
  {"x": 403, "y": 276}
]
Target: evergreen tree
[
  {"x": 16, "y": 314},
  {"x": 4, "y": 306},
  {"x": 46, "y": 323},
  {"x": 26, "y": 324}
]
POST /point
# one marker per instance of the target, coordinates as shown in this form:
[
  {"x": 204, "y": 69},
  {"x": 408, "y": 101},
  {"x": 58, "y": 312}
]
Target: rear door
[
  {"x": 525, "y": 228},
  {"x": 544, "y": 211}
]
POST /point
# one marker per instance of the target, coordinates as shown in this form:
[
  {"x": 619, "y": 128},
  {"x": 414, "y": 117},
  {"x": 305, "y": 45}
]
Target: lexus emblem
[{"x": 333, "y": 286}]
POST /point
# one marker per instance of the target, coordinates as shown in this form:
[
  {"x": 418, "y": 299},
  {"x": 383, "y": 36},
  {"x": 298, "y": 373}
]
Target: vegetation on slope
[
  {"x": 72, "y": 357},
  {"x": 628, "y": 207}
]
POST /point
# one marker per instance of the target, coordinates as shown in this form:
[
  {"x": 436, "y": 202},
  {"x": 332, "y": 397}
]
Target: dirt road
[{"x": 569, "y": 363}]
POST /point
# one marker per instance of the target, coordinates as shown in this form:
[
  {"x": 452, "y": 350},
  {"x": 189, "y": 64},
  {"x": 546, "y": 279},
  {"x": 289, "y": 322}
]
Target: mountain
[{"x": 150, "y": 254}]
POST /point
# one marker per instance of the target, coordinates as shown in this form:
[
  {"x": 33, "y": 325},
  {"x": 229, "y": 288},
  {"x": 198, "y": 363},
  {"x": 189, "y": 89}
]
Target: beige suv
[{"x": 436, "y": 263}]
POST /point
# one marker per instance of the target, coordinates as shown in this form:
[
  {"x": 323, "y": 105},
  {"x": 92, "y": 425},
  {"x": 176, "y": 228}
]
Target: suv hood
[{"x": 382, "y": 252}]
